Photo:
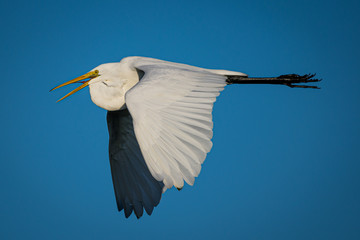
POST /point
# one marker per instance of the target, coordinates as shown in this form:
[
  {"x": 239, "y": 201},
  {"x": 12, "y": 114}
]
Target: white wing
[{"x": 171, "y": 108}]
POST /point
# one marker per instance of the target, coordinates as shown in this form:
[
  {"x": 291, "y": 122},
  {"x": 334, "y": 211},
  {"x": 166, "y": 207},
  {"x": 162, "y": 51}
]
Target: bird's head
[{"x": 106, "y": 83}]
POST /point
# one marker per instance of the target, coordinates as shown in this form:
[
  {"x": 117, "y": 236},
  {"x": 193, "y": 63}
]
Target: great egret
[{"x": 160, "y": 122}]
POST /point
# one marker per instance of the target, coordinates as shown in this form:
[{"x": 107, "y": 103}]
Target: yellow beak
[{"x": 91, "y": 75}]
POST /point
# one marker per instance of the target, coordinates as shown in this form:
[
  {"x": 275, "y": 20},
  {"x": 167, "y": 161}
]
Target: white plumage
[
  {"x": 171, "y": 109},
  {"x": 160, "y": 122}
]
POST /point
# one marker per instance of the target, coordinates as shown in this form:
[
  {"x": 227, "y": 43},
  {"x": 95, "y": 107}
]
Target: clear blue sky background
[{"x": 285, "y": 162}]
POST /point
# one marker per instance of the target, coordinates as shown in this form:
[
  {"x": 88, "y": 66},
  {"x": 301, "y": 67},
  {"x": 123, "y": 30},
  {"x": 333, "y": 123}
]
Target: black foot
[{"x": 290, "y": 79}]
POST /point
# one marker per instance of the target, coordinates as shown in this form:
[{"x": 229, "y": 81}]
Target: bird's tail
[{"x": 288, "y": 80}]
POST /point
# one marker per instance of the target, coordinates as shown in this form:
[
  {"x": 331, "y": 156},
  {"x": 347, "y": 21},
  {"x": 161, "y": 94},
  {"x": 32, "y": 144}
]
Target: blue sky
[{"x": 285, "y": 162}]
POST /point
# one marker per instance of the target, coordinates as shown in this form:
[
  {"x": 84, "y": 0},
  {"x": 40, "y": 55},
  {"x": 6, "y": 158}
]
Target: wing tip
[{"x": 137, "y": 211}]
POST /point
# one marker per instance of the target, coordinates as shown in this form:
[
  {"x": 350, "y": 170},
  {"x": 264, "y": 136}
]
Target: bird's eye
[{"x": 96, "y": 71}]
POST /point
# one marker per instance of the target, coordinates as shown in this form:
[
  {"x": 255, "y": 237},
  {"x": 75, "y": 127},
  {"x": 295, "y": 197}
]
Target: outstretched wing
[
  {"x": 135, "y": 187},
  {"x": 171, "y": 108}
]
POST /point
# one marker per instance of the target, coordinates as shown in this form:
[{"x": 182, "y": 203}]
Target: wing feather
[
  {"x": 171, "y": 108},
  {"x": 135, "y": 187}
]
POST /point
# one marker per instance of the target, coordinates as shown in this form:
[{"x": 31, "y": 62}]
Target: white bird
[{"x": 160, "y": 122}]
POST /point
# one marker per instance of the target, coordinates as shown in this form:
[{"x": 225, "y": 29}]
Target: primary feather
[{"x": 134, "y": 185}]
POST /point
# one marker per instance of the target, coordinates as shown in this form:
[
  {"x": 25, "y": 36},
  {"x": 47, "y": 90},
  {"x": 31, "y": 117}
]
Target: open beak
[{"x": 91, "y": 75}]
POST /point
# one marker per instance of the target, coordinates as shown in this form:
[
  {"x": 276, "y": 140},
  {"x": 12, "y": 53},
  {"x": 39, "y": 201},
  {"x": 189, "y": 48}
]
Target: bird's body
[
  {"x": 160, "y": 122},
  {"x": 110, "y": 95}
]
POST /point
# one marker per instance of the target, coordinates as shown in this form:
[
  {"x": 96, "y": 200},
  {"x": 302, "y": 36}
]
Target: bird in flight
[{"x": 160, "y": 122}]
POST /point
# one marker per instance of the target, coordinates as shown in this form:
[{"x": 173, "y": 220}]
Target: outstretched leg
[{"x": 288, "y": 80}]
